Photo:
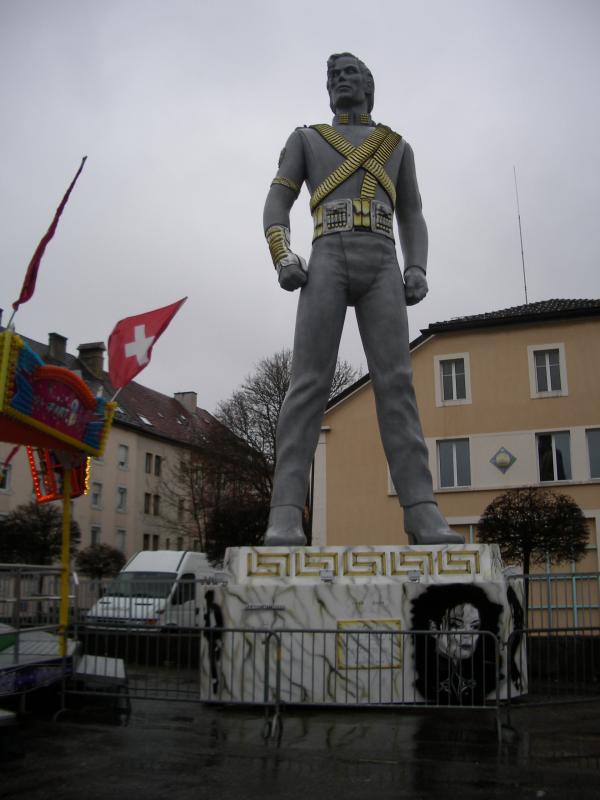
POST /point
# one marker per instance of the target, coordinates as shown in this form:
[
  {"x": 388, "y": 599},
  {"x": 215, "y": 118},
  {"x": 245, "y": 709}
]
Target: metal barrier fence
[
  {"x": 273, "y": 668},
  {"x": 554, "y": 658},
  {"x": 306, "y": 667},
  {"x": 30, "y": 595},
  {"x": 561, "y": 600},
  {"x": 560, "y": 665},
  {"x": 31, "y": 656}
]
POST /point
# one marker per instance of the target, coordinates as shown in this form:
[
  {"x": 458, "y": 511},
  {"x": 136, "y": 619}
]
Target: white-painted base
[{"x": 365, "y": 625}]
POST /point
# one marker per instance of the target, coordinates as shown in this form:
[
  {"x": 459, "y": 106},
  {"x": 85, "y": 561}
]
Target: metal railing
[
  {"x": 31, "y": 655},
  {"x": 556, "y": 657},
  {"x": 273, "y": 668},
  {"x": 561, "y": 600}
]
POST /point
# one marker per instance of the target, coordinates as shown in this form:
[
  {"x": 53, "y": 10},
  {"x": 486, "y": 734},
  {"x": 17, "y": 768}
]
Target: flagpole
[
  {"x": 63, "y": 619},
  {"x": 12, "y": 316},
  {"x": 520, "y": 235}
]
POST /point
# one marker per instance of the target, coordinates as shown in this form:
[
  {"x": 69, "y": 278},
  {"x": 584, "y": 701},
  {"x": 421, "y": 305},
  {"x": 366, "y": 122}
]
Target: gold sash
[{"x": 371, "y": 155}]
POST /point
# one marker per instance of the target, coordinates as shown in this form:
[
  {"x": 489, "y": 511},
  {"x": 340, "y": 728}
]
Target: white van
[{"x": 156, "y": 589}]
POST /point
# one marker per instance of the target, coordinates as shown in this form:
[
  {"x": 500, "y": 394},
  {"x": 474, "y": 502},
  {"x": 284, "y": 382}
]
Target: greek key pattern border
[{"x": 362, "y": 563}]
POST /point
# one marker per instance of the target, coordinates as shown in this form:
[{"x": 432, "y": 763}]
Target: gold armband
[{"x": 289, "y": 184}]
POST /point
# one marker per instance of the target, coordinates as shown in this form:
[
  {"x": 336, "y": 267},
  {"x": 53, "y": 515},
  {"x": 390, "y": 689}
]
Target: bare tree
[
  {"x": 219, "y": 492},
  {"x": 252, "y": 412}
]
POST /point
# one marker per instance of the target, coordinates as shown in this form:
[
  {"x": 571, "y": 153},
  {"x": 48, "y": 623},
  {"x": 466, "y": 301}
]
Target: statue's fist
[
  {"x": 415, "y": 285},
  {"x": 292, "y": 272}
]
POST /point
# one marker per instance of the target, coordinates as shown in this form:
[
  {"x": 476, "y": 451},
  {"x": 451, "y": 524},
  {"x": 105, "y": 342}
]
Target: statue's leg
[
  {"x": 383, "y": 325},
  {"x": 319, "y": 323}
]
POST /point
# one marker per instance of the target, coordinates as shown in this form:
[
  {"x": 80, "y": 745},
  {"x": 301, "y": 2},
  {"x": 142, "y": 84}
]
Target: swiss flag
[{"x": 131, "y": 342}]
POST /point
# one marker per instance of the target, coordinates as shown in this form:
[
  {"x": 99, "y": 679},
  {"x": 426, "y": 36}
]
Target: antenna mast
[{"x": 520, "y": 235}]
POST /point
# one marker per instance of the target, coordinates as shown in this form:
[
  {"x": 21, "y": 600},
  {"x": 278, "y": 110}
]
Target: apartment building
[{"x": 507, "y": 399}]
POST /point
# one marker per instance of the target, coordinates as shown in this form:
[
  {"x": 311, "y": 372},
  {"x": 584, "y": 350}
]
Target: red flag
[
  {"x": 131, "y": 342},
  {"x": 28, "y": 287}
]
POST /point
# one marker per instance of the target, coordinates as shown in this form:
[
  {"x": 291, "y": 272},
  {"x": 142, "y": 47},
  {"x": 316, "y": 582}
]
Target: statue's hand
[
  {"x": 292, "y": 272},
  {"x": 415, "y": 285}
]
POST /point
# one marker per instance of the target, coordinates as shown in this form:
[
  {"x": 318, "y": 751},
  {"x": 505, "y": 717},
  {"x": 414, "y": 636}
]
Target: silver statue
[{"x": 359, "y": 174}]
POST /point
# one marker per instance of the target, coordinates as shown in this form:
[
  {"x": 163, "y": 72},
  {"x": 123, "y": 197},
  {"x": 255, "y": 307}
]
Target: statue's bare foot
[
  {"x": 424, "y": 524},
  {"x": 285, "y": 527}
]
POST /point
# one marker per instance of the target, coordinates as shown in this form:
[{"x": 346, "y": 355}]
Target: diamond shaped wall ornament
[{"x": 503, "y": 460}]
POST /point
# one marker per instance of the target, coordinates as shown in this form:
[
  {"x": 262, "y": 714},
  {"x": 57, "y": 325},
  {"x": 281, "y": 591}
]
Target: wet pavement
[{"x": 181, "y": 751}]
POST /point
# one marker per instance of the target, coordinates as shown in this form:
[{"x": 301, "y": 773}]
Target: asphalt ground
[{"x": 180, "y": 751}]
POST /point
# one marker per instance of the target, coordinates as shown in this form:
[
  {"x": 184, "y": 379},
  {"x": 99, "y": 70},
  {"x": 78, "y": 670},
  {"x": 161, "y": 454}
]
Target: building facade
[
  {"x": 507, "y": 399},
  {"x": 136, "y": 499}
]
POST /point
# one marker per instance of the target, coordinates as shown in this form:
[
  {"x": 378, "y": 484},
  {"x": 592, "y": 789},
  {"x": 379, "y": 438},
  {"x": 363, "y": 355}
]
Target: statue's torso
[{"x": 321, "y": 159}]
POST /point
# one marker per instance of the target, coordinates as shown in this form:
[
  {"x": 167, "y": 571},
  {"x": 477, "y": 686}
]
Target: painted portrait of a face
[
  {"x": 456, "y": 646},
  {"x": 455, "y": 652}
]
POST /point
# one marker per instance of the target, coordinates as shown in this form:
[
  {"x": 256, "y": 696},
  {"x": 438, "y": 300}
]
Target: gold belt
[{"x": 340, "y": 216}]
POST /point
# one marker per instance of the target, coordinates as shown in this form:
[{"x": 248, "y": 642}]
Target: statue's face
[
  {"x": 346, "y": 83},
  {"x": 456, "y": 645}
]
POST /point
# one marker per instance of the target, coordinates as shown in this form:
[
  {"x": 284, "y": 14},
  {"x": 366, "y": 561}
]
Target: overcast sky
[{"x": 182, "y": 107}]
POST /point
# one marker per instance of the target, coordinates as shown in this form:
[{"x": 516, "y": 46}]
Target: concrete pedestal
[{"x": 384, "y": 619}]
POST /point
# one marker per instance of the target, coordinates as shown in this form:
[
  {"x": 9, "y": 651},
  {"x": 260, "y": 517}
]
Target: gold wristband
[{"x": 278, "y": 239}]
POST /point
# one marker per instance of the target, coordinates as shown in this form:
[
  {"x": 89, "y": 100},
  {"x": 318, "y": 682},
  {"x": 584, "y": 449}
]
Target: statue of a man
[{"x": 358, "y": 174}]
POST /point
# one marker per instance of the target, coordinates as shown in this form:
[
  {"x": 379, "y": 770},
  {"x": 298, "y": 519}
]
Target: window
[
  {"x": 554, "y": 456},
  {"x": 120, "y": 539},
  {"x": 155, "y": 505},
  {"x": 148, "y": 467},
  {"x": 452, "y": 379},
  {"x": 123, "y": 456},
  {"x": 454, "y": 463},
  {"x": 180, "y": 509},
  {"x": 95, "y": 535},
  {"x": 157, "y": 465},
  {"x": 167, "y": 544},
  {"x": 121, "y": 498},
  {"x": 147, "y": 503},
  {"x": 180, "y": 542},
  {"x": 547, "y": 370},
  {"x": 5, "y": 478},
  {"x": 151, "y": 541},
  {"x": 593, "y": 443},
  {"x": 96, "y": 494}
]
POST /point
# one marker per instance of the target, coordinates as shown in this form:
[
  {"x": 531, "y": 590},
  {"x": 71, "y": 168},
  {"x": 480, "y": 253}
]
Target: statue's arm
[
  {"x": 291, "y": 268},
  {"x": 412, "y": 228}
]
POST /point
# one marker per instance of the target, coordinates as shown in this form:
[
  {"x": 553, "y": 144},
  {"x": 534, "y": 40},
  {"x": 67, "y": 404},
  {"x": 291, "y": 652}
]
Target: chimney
[
  {"x": 189, "y": 400},
  {"x": 57, "y": 347},
  {"x": 91, "y": 356}
]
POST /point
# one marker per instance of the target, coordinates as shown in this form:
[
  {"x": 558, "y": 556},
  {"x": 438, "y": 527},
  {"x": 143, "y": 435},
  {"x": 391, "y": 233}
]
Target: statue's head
[{"x": 349, "y": 95}]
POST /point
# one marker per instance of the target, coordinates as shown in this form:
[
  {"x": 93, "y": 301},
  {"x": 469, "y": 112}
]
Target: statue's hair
[{"x": 365, "y": 72}]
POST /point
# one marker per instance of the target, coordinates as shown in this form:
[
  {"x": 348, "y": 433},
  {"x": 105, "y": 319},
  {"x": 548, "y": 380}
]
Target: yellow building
[{"x": 507, "y": 399}]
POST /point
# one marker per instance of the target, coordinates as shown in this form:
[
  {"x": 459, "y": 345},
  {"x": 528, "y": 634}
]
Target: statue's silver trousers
[{"x": 359, "y": 269}]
